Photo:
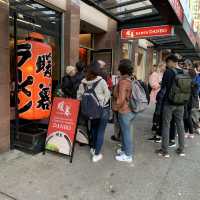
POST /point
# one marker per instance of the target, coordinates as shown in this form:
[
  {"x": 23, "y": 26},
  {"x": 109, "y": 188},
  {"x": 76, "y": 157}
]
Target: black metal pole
[{"x": 16, "y": 82}]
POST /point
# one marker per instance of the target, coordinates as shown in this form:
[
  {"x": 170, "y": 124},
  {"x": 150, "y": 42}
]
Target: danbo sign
[
  {"x": 144, "y": 32},
  {"x": 62, "y": 126}
]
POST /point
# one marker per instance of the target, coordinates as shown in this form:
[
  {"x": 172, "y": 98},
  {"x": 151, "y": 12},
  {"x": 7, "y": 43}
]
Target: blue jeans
[
  {"x": 126, "y": 124},
  {"x": 98, "y": 127}
]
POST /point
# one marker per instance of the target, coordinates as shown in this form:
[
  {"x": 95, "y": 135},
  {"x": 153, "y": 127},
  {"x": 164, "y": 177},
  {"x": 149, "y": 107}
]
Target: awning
[
  {"x": 123, "y": 10},
  {"x": 142, "y": 13}
]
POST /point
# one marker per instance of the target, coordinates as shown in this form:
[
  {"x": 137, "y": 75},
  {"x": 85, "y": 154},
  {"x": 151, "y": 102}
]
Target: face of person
[
  {"x": 72, "y": 73},
  {"x": 102, "y": 64},
  {"x": 155, "y": 69},
  {"x": 186, "y": 66},
  {"x": 172, "y": 64},
  {"x": 162, "y": 67},
  {"x": 181, "y": 65}
]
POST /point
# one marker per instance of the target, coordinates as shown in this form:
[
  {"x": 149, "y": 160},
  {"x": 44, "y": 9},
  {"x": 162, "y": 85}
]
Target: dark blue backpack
[{"x": 90, "y": 106}]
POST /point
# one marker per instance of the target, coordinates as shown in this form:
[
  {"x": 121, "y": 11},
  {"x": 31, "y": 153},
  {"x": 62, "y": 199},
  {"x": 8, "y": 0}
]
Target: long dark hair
[
  {"x": 93, "y": 70},
  {"x": 125, "y": 67}
]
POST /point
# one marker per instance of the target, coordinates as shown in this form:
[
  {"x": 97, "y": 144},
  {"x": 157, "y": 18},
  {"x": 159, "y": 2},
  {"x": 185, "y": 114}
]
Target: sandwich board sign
[{"x": 62, "y": 129}]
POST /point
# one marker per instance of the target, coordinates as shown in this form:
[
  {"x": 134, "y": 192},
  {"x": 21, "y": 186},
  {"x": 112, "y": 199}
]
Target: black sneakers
[
  {"x": 172, "y": 144},
  {"x": 160, "y": 152},
  {"x": 180, "y": 152},
  {"x": 114, "y": 138}
]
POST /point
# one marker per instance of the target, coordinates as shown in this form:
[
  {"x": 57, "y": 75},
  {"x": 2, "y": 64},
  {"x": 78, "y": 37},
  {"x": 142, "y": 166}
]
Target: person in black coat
[
  {"x": 72, "y": 80},
  {"x": 193, "y": 103}
]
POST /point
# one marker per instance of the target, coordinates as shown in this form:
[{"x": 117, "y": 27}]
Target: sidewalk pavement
[{"x": 51, "y": 177}]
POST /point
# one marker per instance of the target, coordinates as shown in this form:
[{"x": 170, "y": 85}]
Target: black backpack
[{"x": 90, "y": 106}]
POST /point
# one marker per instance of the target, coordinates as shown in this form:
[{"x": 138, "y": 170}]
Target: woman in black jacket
[{"x": 72, "y": 80}]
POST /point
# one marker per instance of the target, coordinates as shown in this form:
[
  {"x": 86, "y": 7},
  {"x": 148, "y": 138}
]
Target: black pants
[
  {"x": 157, "y": 124},
  {"x": 169, "y": 112},
  {"x": 188, "y": 123},
  {"x": 172, "y": 131}
]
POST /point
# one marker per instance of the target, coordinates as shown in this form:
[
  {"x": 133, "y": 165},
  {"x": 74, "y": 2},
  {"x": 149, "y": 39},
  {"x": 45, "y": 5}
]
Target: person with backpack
[
  {"x": 95, "y": 95},
  {"x": 178, "y": 91},
  {"x": 193, "y": 105},
  {"x": 122, "y": 95},
  {"x": 195, "y": 111},
  {"x": 157, "y": 117}
]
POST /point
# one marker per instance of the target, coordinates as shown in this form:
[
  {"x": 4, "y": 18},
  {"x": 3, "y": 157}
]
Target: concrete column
[
  {"x": 149, "y": 61},
  {"x": 160, "y": 57},
  {"x": 71, "y": 33},
  {"x": 4, "y": 78}
]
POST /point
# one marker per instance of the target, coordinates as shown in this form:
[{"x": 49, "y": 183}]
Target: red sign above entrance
[
  {"x": 176, "y": 5},
  {"x": 144, "y": 32}
]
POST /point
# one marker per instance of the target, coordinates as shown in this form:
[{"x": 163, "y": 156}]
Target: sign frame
[
  {"x": 147, "y": 32},
  {"x": 55, "y": 131}
]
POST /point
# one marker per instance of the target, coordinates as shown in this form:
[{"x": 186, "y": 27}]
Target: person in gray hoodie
[{"x": 98, "y": 126}]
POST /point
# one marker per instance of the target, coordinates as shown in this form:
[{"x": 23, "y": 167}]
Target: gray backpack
[{"x": 138, "y": 100}]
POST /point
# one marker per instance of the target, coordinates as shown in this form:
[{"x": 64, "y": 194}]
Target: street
[{"x": 52, "y": 177}]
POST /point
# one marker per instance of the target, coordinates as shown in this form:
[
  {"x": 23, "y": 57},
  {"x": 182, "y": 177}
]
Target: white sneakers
[
  {"x": 97, "y": 158},
  {"x": 121, "y": 157},
  {"x": 124, "y": 158},
  {"x": 120, "y": 152}
]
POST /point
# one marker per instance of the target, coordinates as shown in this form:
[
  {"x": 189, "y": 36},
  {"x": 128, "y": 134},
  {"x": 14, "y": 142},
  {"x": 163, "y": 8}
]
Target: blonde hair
[
  {"x": 162, "y": 63},
  {"x": 70, "y": 69}
]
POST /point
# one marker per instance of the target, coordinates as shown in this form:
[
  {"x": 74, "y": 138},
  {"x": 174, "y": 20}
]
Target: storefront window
[
  {"x": 126, "y": 50},
  {"x": 32, "y": 17},
  {"x": 35, "y": 64},
  {"x": 85, "y": 48},
  {"x": 140, "y": 65}
]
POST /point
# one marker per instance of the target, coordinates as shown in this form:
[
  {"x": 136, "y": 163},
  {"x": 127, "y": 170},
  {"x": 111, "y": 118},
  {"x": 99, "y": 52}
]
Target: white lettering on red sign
[{"x": 143, "y": 32}]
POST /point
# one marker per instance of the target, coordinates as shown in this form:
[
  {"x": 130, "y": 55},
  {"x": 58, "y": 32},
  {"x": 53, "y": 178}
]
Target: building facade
[
  {"x": 195, "y": 9},
  {"x": 72, "y": 30}
]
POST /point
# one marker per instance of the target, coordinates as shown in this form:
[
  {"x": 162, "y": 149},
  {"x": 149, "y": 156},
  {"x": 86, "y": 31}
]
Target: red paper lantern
[{"x": 34, "y": 68}]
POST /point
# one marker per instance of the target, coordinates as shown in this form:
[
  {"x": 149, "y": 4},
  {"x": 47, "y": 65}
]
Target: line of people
[
  {"x": 93, "y": 87},
  {"x": 177, "y": 106},
  {"x": 176, "y": 96}
]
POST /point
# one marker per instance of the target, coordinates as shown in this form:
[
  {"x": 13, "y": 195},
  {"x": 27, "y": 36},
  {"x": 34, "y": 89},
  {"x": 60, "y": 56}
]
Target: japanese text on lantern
[{"x": 34, "y": 67}]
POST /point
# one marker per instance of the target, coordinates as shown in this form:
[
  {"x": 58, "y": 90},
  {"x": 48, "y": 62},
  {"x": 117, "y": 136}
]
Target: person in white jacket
[{"x": 98, "y": 126}]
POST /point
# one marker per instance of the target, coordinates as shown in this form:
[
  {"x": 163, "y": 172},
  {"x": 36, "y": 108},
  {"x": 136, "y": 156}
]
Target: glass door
[{"x": 105, "y": 55}]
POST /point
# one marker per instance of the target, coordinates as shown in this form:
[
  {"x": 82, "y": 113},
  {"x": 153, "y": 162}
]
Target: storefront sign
[
  {"x": 144, "y": 32},
  {"x": 34, "y": 67},
  {"x": 62, "y": 126},
  {"x": 176, "y": 5}
]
